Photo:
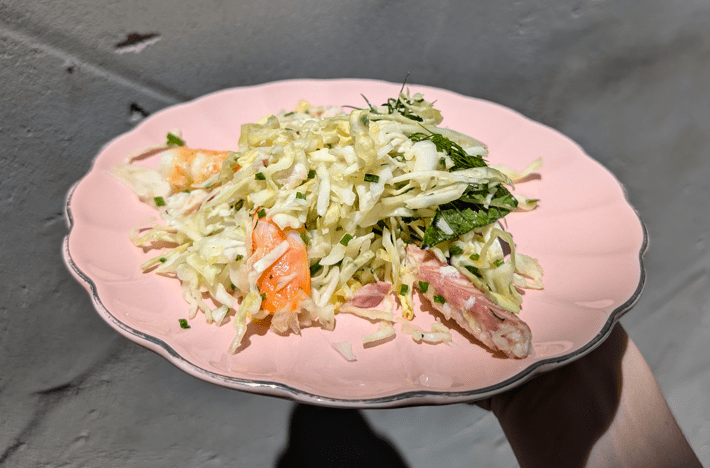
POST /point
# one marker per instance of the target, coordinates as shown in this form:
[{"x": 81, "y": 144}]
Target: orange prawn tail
[
  {"x": 286, "y": 282},
  {"x": 193, "y": 166}
]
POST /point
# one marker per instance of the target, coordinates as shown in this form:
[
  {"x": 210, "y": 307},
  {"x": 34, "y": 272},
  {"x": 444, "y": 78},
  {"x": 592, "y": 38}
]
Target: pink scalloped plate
[{"x": 588, "y": 239}]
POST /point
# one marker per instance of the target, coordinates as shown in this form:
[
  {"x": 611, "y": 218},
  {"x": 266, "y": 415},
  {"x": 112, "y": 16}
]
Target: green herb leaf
[
  {"x": 372, "y": 178},
  {"x": 423, "y": 286},
  {"x": 300, "y": 196},
  {"x": 261, "y": 213},
  {"x": 260, "y": 176},
  {"x": 461, "y": 159},
  {"x": 404, "y": 289},
  {"x": 159, "y": 201},
  {"x": 439, "y": 299},
  {"x": 315, "y": 268},
  {"x": 304, "y": 238},
  {"x": 455, "y": 250},
  {"x": 398, "y": 105},
  {"x": 174, "y": 140},
  {"x": 473, "y": 270},
  {"x": 184, "y": 324},
  {"x": 311, "y": 173},
  {"x": 467, "y": 213}
]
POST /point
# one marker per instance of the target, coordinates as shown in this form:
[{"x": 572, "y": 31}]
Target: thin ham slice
[
  {"x": 370, "y": 295},
  {"x": 495, "y": 327}
]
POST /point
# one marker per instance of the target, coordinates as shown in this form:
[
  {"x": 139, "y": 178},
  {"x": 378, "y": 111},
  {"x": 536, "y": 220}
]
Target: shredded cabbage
[{"x": 358, "y": 187}]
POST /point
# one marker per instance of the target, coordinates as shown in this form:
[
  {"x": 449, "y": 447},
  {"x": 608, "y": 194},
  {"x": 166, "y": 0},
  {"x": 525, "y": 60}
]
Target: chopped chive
[
  {"x": 163, "y": 259},
  {"x": 261, "y": 213},
  {"x": 232, "y": 286},
  {"x": 372, "y": 178},
  {"x": 259, "y": 176},
  {"x": 455, "y": 250},
  {"x": 184, "y": 324},
  {"x": 263, "y": 296},
  {"x": 311, "y": 173},
  {"x": 174, "y": 140},
  {"x": 423, "y": 286},
  {"x": 404, "y": 289},
  {"x": 475, "y": 257},
  {"x": 239, "y": 257},
  {"x": 300, "y": 195},
  {"x": 187, "y": 190},
  {"x": 346, "y": 239},
  {"x": 159, "y": 201},
  {"x": 238, "y": 206},
  {"x": 305, "y": 238},
  {"x": 289, "y": 114},
  {"x": 498, "y": 262},
  {"x": 442, "y": 161},
  {"x": 439, "y": 299}
]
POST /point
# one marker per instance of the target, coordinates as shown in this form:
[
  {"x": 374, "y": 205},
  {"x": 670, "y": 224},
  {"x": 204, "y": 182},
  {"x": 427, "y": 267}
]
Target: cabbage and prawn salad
[{"x": 313, "y": 214}]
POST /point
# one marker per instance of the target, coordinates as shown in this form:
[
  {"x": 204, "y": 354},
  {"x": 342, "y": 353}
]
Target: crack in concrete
[
  {"x": 10, "y": 450},
  {"x": 136, "y": 38},
  {"x": 59, "y": 390},
  {"x": 136, "y": 42}
]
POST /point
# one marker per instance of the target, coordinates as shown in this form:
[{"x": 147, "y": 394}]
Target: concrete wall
[{"x": 628, "y": 80}]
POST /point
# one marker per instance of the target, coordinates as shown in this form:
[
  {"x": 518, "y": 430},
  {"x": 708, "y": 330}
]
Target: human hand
[{"x": 604, "y": 409}]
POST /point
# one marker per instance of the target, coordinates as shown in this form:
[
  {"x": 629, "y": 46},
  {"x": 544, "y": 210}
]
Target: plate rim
[{"x": 282, "y": 390}]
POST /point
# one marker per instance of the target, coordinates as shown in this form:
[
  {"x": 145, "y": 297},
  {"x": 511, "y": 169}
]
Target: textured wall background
[{"x": 628, "y": 80}]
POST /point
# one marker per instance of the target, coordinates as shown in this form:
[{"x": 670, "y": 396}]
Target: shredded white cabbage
[{"x": 355, "y": 188}]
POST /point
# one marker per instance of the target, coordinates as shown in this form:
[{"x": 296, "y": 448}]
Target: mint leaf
[
  {"x": 477, "y": 194},
  {"x": 461, "y": 159},
  {"x": 467, "y": 213}
]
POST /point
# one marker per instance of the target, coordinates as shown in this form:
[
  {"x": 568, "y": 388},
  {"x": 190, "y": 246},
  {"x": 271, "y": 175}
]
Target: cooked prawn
[
  {"x": 286, "y": 281},
  {"x": 184, "y": 167}
]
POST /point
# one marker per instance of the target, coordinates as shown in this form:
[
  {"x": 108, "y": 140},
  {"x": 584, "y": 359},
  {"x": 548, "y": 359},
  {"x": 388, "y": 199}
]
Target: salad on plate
[{"x": 322, "y": 211}]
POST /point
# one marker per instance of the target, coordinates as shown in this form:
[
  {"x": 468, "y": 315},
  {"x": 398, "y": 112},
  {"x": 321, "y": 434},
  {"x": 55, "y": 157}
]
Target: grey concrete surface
[{"x": 628, "y": 80}]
